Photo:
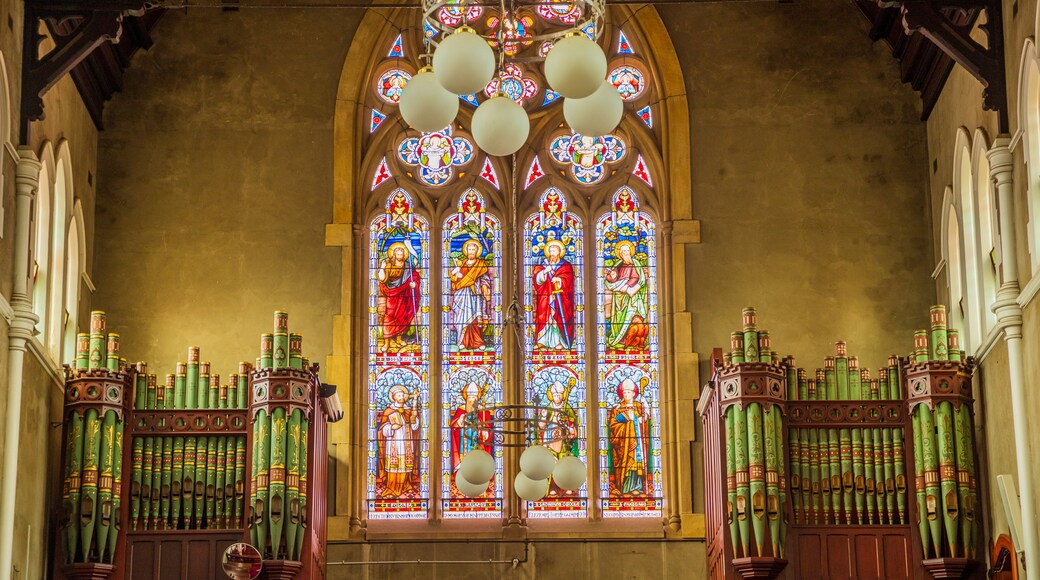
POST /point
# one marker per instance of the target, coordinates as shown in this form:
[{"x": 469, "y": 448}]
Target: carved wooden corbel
[
  {"x": 40, "y": 73},
  {"x": 985, "y": 63}
]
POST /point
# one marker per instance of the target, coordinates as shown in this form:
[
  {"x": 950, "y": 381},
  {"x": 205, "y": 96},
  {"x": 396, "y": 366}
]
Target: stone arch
[{"x": 348, "y": 231}]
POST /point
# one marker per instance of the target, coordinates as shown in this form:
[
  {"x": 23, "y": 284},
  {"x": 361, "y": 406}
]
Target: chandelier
[
  {"x": 518, "y": 426},
  {"x": 464, "y": 61}
]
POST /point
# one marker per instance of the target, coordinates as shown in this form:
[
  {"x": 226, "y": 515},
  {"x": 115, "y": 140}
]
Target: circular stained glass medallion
[
  {"x": 628, "y": 80},
  {"x": 390, "y": 85}
]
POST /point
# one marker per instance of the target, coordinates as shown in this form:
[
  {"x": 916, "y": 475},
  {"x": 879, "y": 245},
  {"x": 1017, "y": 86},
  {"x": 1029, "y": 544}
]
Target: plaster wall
[
  {"x": 960, "y": 106},
  {"x": 216, "y": 177},
  {"x": 808, "y": 180}
]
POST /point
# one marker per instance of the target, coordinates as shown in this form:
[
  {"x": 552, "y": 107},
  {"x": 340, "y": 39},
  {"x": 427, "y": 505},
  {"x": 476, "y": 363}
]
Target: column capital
[
  {"x": 1001, "y": 160},
  {"x": 27, "y": 172}
]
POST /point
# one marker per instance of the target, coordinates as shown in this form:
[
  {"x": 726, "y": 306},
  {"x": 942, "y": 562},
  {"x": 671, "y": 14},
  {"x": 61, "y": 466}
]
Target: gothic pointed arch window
[{"x": 529, "y": 280}]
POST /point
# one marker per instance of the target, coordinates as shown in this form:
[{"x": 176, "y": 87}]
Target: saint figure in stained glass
[
  {"x": 629, "y": 440},
  {"x": 470, "y": 420},
  {"x": 471, "y": 295},
  {"x": 557, "y": 421},
  {"x": 554, "y": 298},
  {"x": 398, "y": 444},
  {"x": 626, "y": 302},
  {"x": 399, "y": 279}
]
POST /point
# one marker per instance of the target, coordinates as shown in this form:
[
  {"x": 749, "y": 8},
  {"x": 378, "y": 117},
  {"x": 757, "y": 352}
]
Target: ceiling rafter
[
  {"x": 93, "y": 43},
  {"x": 929, "y": 37}
]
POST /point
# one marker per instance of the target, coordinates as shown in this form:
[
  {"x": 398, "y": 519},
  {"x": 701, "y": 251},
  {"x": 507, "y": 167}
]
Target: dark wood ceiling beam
[
  {"x": 40, "y": 73},
  {"x": 985, "y": 63},
  {"x": 94, "y": 41}
]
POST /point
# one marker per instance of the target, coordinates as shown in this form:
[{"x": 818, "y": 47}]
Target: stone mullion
[
  {"x": 512, "y": 367},
  {"x": 593, "y": 444},
  {"x": 435, "y": 321}
]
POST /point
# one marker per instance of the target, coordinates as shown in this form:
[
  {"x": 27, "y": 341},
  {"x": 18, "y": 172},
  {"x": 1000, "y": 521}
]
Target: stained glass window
[
  {"x": 627, "y": 341},
  {"x": 453, "y": 14},
  {"x": 377, "y": 119},
  {"x": 646, "y": 116},
  {"x": 488, "y": 172},
  {"x": 382, "y": 174},
  {"x": 586, "y": 156},
  {"x": 554, "y": 342},
  {"x": 399, "y": 351},
  {"x": 513, "y": 83},
  {"x": 517, "y": 32},
  {"x": 628, "y": 80},
  {"x": 591, "y": 373},
  {"x": 471, "y": 335},
  {"x": 623, "y": 46},
  {"x": 390, "y": 85},
  {"x": 436, "y": 154},
  {"x": 534, "y": 173},
  {"x": 565, "y": 12},
  {"x": 641, "y": 171},
  {"x": 397, "y": 48}
]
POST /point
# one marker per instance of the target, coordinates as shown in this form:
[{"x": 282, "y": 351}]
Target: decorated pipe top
[
  {"x": 841, "y": 349},
  {"x": 281, "y": 321},
  {"x": 97, "y": 322},
  {"x": 937, "y": 314},
  {"x": 750, "y": 319}
]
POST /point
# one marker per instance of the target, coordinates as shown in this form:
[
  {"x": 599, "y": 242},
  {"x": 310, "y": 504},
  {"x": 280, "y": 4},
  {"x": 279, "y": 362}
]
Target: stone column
[
  {"x": 1009, "y": 318},
  {"x": 20, "y": 331}
]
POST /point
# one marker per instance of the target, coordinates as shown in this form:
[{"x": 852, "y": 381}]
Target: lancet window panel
[
  {"x": 471, "y": 334},
  {"x": 399, "y": 353},
  {"x": 554, "y": 342},
  {"x": 627, "y": 368}
]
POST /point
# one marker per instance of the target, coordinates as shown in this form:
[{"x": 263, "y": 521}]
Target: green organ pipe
[
  {"x": 740, "y": 443},
  {"x": 191, "y": 382},
  {"x": 74, "y": 461},
  {"x": 188, "y": 487},
  {"x": 201, "y": 467},
  {"x": 105, "y": 480},
  {"x": 89, "y": 491},
  {"x": 731, "y": 478},
  {"x": 176, "y": 481},
  {"x": 276, "y": 503}
]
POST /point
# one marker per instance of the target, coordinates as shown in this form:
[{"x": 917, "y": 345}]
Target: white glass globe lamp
[
  {"x": 530, "y": 489},
  {"x": 569, "y": 473},
  {"x": 500, "y": 126},
  {"x": 477, "y": 466},
  {"x": 537, "y": 462},
  {"x": 426, "y": 105},
  {"x": 575, "y": 66},
  {"x": 464, "y": 62},
  {"x": 595, "y": 115}
]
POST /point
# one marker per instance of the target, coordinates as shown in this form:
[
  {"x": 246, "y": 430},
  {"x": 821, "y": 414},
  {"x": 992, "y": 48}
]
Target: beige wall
[
  {"x": 960, "y": 106},
  {"x": 808, "y": 178},
  {"x": 216, "y": 176}
]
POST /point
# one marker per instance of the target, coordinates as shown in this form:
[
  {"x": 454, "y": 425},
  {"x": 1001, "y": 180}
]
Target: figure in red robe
[
  {"x": 470, "y": 428},
  {"x": 399, "y": 280},
  {"x": 554, "y": 299}
]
